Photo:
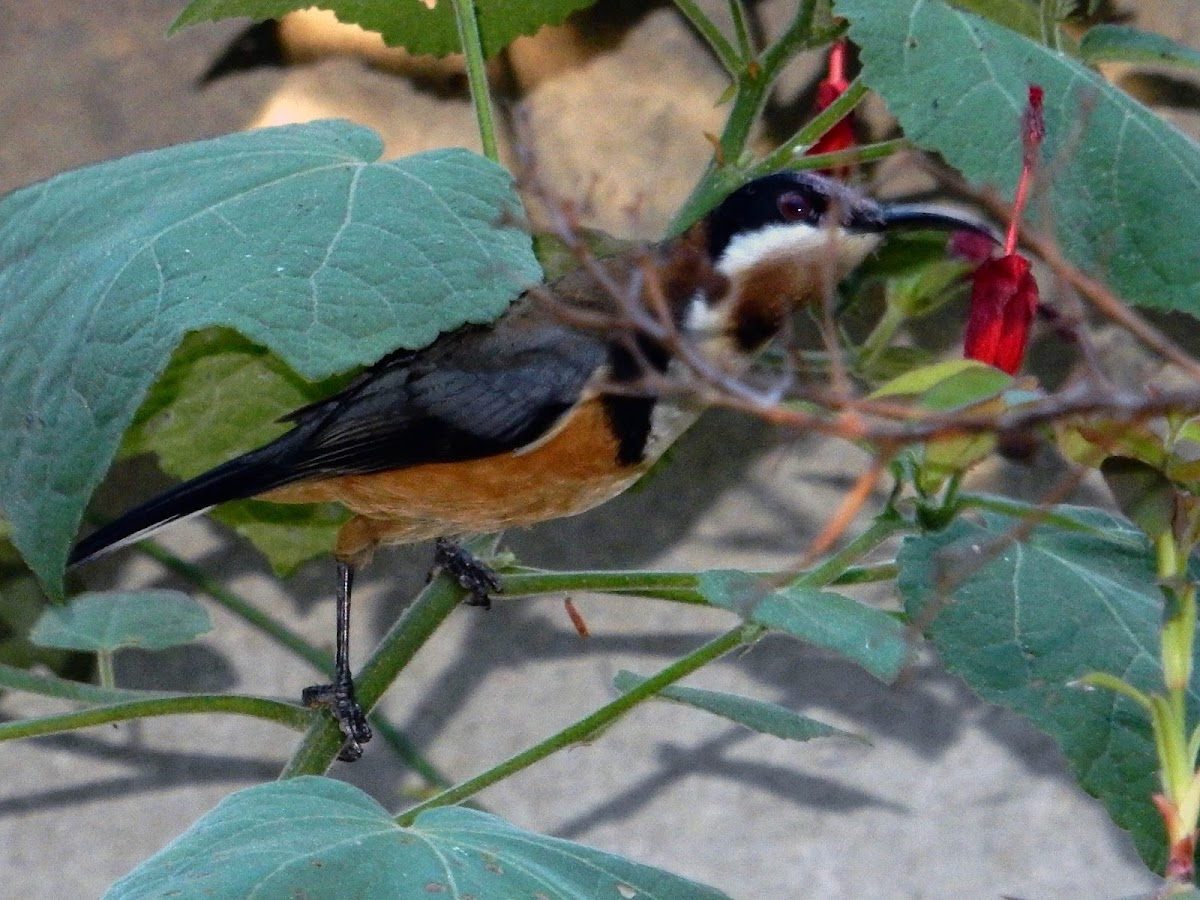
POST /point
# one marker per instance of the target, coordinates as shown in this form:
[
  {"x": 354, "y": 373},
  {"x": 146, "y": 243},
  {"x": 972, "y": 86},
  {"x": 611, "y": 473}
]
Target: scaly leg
[{"x": 339, "y": 696}]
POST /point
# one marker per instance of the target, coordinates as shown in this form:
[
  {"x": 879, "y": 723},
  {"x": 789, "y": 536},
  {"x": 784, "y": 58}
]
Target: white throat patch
[{"x": 797, "y": 242}]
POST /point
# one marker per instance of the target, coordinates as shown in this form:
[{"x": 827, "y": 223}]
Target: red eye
[{"x": 795, "y": 207}]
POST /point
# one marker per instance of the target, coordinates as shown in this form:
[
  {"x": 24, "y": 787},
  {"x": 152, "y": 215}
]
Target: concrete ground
[{"x": 952, "y": 798}]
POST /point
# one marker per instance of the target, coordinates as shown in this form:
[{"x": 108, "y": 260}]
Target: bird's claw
[
  {"x": 338, "y": 698},
  {"x": 477, "y": 578}
]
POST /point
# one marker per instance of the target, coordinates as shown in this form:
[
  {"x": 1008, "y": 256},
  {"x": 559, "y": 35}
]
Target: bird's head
[{"x": 787, "y": 239}]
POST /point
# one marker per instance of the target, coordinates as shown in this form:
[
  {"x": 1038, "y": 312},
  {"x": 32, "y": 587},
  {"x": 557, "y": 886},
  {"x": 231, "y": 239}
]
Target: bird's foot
[
  {"x": 476, "y": 577},
  {"x": 338, "y": 698}
]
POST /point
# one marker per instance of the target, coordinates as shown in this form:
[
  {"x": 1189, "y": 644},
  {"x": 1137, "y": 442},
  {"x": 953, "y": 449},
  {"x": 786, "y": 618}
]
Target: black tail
[{"x": 253, "y": 473}]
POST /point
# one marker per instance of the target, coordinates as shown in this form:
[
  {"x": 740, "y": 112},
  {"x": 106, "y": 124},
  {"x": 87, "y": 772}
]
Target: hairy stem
[
  {"x": 707, "y": 29},
  {"x": 286, "y": 714},
  {"x": 472, "y": 47},
  {"x": 753, "y": 82}
]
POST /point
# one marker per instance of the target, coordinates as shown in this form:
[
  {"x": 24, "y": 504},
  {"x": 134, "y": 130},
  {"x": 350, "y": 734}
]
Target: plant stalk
[
  {"x": 590, "y": 725},
  {"x": 472, "y": 47}
]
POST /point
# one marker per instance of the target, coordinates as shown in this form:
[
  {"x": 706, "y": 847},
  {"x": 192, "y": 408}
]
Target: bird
[{"x": 546, "y": 412}]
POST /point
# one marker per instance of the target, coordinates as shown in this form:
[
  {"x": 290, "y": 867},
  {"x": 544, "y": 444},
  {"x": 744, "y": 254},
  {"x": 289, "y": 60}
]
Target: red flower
[
  {"x": 833, "y": 85},
  {"x": 1004, "y": 294},
  {"x": 1004, "y": 297}
]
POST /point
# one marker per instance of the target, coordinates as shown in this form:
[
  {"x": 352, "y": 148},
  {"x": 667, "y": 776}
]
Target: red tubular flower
[
  {"x": 1004, "y": 297},
  {"x": 833, "y": 85},
  {"x": 1004, "y": 294}
]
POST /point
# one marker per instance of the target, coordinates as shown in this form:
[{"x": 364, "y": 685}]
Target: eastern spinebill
[{"x": 541, "y": 414}]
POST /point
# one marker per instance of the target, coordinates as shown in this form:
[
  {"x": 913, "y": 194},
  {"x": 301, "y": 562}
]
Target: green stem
[
  {"x": 104, "y": 669},
  {"x": 722, "y": 176},
  {"x": 707, "y": 29},
  {"x": 753, "y": 81},
  {"x": 63, "y": 688},
  {"x": 472, "y": 46},
  {"x": 293, "y": 641},
  {"x": 676, "y": 586},
  {"x": 1178, "y": 638},
  {"x": 881, "y": 336},
  {"x": 1117, "y": 685},
  {"x": 259, "y": 707},
  {"x": 1050, "y": 24},
  {"x": 885, "y": 525},
  {"x": 1172, "y": 748},
  {"x": 741, "y": 28},
  {"x": 588, "y": 726},
  {"x": 868, "y": 574},
  {"x": 1018, "y": 509},
  {"x": 785, "y": 156},
  {"x": 415, "y": 626},
  {"x": 852, "y": 155}
]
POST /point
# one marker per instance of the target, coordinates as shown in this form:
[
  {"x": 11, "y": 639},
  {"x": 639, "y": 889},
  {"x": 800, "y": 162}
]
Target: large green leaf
[
  {"x": 1122, "y": 194},
  {"x": 315, "y": 837},
  {"x": 1021, "y": 625},
  {"x": 293, "y": 236},
  {"x": 417, "y": 25}
]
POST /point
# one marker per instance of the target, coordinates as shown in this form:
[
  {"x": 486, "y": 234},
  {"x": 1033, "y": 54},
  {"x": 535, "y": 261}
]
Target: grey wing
[{"x": 473, "y": 393}]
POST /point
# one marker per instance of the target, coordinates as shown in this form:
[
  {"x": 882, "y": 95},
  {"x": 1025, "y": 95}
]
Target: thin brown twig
[{"x": 852, "y": 503}]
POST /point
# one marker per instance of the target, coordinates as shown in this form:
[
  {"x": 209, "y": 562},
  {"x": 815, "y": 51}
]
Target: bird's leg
[
  {"x": 339, "y": 696},
  {"x": 474, "y": 575}
]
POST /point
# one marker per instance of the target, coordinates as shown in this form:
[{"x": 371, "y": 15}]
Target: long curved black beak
[{"x": 935, "y": 217}]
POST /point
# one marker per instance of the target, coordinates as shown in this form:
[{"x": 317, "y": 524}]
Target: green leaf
[
  {"x": 1022, "y": 624},
  {"x": 21, "y": 602},
  {"x": 411, "y": 24},
  {"x": 316, "y": 837},
  {"x": 958, "y": 384},
  {"x": 289, "y": 536},
  {"x": 948, "y": 385},
  {"x": 110, "y": 620},
  {"x": 293, "y": 236},
  {"x": 1124, "y": 197},
  {"x": 757, "y": 715},
  {"x": 868, "y": 636},
  {"x": 1120, "y": 43},
  {"x": 220, "y": 396},
  {"x": 1142, "y": 493},
  {"x": 929, "y": 289},
  {"x": 1019, "y": 15}
]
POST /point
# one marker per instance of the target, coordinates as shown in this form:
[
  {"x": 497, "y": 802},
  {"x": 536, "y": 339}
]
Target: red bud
[
  {"x": 833, "y": 85},
  {"x": 1004, "y": 297}
]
